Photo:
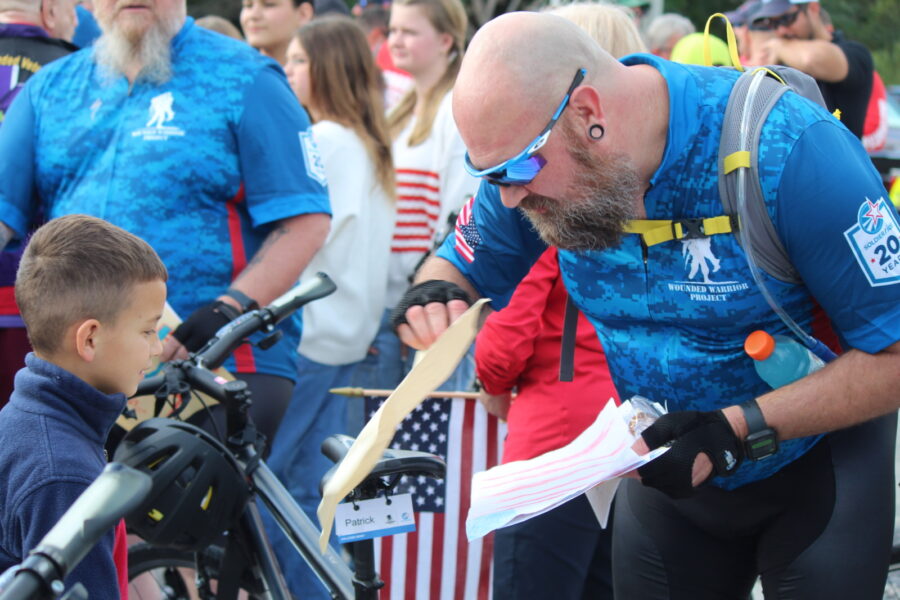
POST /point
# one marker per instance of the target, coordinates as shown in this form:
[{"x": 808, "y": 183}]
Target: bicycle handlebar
[
  {"x": 117, "y": 491},
  {"x": 336, "y": 446},
  {"x": 232, "y": 335},
  {"x": 229, "y": 337}
]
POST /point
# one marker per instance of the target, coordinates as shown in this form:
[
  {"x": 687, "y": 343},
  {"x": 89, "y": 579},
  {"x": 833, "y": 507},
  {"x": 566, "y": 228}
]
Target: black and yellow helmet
[{"x": 198, "y": 491}]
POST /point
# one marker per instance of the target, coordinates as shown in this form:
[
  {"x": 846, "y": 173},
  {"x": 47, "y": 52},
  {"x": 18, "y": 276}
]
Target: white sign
[{"x": 374, "y": 518}]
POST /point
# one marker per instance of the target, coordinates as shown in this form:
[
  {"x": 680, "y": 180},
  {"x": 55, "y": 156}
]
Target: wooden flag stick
[{"x": 358, "y": 392}]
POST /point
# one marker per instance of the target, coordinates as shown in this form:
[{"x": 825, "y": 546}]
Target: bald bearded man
[{"x": 572, "y": 145}]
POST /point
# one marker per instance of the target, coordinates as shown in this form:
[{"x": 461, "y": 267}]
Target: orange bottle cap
[{"x": 759, "y": 345}]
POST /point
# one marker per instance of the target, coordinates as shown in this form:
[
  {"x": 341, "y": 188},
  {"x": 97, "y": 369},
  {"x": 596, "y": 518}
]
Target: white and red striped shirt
[{"x": 432, "y": 184}]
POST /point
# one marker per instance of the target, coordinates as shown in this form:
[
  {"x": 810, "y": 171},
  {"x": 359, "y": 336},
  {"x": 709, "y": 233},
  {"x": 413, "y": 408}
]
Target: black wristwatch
[
  {"x": 246, "y": 302},
  {"x": 761, "y": 441}
]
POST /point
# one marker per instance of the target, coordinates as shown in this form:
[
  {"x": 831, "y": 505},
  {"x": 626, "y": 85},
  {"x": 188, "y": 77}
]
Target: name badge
[{"x": 374, "y": 518}]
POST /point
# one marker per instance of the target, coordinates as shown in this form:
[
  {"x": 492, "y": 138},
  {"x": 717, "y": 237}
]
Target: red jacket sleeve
[{"x": 506, "y": 341}]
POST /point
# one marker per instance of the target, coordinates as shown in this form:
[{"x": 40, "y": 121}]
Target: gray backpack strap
[{"x": 769, "y": 252}]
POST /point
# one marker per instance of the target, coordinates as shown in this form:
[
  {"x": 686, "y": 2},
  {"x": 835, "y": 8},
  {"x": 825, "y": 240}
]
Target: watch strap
[
  {"x": 246, "y": 302},
  {"x": 753, "y": 417},
  {"x": 761, "y": 441}
]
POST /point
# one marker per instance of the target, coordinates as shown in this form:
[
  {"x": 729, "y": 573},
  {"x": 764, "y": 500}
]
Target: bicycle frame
[{"x": 334, "y": 574}]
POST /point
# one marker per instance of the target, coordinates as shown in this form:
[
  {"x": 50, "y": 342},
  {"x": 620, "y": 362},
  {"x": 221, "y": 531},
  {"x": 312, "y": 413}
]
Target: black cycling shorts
[{"x": 819, "y": 529}]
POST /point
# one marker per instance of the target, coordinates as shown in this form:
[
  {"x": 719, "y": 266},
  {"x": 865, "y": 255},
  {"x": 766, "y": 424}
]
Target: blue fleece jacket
[{"x": 52, "y": 434}]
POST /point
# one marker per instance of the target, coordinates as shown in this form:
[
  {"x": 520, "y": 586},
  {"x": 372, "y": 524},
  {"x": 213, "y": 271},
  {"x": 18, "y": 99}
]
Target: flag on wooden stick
[{"x": 436, "y": 562}]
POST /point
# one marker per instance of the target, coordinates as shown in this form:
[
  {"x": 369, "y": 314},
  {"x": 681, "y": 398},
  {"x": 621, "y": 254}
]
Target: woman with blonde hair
[
  {"x": 332, "y": 72},
  {"x": 610, "y": 25},
  {"x": 426, "y": 39}
]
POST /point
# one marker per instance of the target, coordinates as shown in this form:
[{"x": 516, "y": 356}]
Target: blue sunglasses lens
[{"x": 520, "y": 172}]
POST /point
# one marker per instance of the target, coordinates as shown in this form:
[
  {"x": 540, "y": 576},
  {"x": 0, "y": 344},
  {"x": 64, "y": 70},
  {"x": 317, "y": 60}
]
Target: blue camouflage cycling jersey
[
  {"x": 673, "y": 317},
  {"x": 201, "y": 166}
]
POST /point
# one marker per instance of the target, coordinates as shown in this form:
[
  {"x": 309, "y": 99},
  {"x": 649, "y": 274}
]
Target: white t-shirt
[
  {"x": 338, "y": 329},
  {"x": 432, "y": 183}
]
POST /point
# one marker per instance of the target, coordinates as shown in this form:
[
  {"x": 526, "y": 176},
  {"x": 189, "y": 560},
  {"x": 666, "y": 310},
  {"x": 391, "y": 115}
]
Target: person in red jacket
[{"x": 563, "y": 553}]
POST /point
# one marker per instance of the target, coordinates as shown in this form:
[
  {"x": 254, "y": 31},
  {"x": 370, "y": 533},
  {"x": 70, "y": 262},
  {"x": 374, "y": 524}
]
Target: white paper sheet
[{"x": 517, "y": 491}]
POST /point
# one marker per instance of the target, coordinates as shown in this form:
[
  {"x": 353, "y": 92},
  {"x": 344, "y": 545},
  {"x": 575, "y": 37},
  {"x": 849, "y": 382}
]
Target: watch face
[{"x": 761, "y": 444}]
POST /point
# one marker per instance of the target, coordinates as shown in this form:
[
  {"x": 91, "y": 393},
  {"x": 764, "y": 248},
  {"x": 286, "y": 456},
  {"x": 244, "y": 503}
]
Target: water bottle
[{"x": 780, "y": 360}]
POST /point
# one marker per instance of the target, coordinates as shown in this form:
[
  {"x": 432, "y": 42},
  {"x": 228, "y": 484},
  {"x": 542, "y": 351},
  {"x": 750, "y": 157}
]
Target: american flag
[
  {"x": 436, "y": 562},
  {"x": 467, "y": 237}
]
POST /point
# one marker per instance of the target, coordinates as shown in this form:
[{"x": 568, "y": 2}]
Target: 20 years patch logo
[{"x": 875, "y": 242}]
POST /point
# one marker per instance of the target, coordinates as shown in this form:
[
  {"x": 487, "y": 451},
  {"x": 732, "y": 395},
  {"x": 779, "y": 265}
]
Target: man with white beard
[{"x": 195, "y": 143}]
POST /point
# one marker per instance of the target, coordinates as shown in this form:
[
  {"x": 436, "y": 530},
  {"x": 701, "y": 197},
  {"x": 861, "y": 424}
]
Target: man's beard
[
  {"x": 601, "y": 202},
  {"x": 119, "y": 48}
]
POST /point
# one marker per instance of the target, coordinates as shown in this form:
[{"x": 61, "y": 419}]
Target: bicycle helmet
[{"x": 198, "y": 488}]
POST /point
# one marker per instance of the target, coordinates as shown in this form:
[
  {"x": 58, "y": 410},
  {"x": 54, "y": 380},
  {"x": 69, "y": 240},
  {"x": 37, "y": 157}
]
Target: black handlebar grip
[{"x": 336, "y": 446}]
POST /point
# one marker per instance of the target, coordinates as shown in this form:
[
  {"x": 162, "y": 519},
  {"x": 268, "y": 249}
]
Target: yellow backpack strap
[
  {"x": 732, "y": 43},
  {"x": 771, "y": 73},
  {"x": 657, "y": 231},
  {"x": 737, "y": 160}
]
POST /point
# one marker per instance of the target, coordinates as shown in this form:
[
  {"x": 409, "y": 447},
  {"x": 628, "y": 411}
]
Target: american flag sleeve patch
[{"x": 466, "y": 231}]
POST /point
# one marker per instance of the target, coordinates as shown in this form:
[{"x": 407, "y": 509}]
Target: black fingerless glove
[
  {"x": 690, "y": 433},
  {"x": 202, "y": 325},
  {"x": 433, "y": 290}
]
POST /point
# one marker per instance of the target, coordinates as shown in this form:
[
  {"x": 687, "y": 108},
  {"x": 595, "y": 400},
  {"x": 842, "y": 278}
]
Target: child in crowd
[
  {"x": 91, "y": 295},
  {"x": 269, "y": 25}
]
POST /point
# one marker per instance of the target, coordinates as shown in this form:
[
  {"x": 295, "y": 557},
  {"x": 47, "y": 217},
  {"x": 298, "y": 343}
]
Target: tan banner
[{"x": 436, "y": 364}]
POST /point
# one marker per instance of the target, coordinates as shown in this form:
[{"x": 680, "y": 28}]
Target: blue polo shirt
[
  {"x": 673, "y": 317},
  {"x": 201, "y": 166}
]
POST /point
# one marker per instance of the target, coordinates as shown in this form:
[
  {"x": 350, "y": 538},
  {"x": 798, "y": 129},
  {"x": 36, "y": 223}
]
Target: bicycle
[
  {"x": 243, "y": 558},
  {"x": 116, "y": 492}
]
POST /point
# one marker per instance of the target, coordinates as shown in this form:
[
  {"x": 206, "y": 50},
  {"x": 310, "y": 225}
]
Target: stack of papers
[{"x": 592, "y": 464}]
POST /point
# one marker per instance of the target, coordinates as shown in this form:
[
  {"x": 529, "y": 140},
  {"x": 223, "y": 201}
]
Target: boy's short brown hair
[{"x": 79, "y": 267}]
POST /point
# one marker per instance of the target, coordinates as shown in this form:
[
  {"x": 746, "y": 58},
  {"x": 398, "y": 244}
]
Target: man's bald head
[
  {"x": 56, "y": 17},
  {"x": 517, "y": 70}
]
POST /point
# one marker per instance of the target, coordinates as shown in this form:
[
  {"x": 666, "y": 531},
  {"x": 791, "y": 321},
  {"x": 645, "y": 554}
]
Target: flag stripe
[
  {"x": 412, "y": 550},
  {"x": 437, "y": 546},
  {"x": 387, "y": 543},
  {"x": 474, "y": 580},
  {"x": 423, "y": 555},
  {"x": 487, "y": 549},
  {"x": 398, "y": 566},
  {"x": 465, "y": 484},
  {"x": 452, "y": 512}
]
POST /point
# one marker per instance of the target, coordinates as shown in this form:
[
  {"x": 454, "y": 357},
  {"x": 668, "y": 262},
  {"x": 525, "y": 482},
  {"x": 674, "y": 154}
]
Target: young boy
[{"x": 91, "y": 295}]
